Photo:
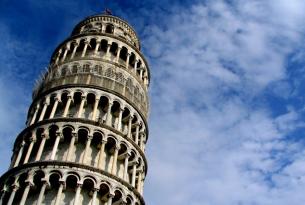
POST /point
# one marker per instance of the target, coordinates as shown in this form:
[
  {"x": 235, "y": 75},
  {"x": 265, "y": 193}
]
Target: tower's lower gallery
[{"x": 86, "y": 129}]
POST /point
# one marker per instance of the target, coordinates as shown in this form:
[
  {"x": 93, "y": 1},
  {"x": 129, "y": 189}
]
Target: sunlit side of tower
[{"x": 87, "y": 125}]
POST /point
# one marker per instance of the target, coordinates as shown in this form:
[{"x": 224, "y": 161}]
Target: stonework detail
[{"x": 87, "y": 126}]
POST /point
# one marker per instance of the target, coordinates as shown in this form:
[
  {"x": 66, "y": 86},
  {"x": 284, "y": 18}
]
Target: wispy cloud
[{"x": 216, "y": 136}]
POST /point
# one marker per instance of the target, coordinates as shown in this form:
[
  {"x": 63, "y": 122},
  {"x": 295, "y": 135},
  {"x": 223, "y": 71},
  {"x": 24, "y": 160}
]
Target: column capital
[
  {"x": 45, "y": 135},
  {"x": 89, "y": 137},
  {"x": 117, "y": 147}
]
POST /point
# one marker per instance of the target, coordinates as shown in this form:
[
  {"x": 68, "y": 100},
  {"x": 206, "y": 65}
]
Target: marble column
[
  {"x": 126, "y": 167},
  {"x": 57, "y": 58},
  {"x": 42, "y": 192},
  {"x": 139, "y": 181},
  {"x": 110, "y": 199},
  {"x": 89, "y": 139},
  {"x": 96, "y": 48},
  {"x": 134, "y": 171},
  {"x": 81, "y": 107},
  {"x": 108, "y": 117},
  {"x": 137, "y": 133},
  {"x": 54, "y": 107},
  {"x": 94, "y": 196},
  {"x": 12, "y": 196},
  {"x": 101, "y": 158},
  {"x": 77, "y": 194},
  {"x": 67, "y": 107},
  {"x": 85, "y": 48},
  {"x": 19, "y": 154},
  {"x": 118, "y": 54},
  {"x": 35, "y": 115},
  {"x": 119, "y": 126},
  {"x": 25, "y": 194},
  {"x": 65, "y": 54},
  {"x": 43, "y": 112},
  {"x": 97, "y": 100},
  {"x": 127, "y": 60},
  {"x": 71, "y": 146},
  {"x": 59, "y": 193},
  {"x": 115, "y": 159},
  {"x": 55, "y": 147},
  {"x": 29, "y": 152},
  {"x": 44, "y": 137},
  {"x": 74, "y": 50},
  {"x": 129, "y": 126}
]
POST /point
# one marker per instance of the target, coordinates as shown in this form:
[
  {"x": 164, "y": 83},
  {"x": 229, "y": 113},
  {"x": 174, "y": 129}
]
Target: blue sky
[{"x": 227, "y": 92}]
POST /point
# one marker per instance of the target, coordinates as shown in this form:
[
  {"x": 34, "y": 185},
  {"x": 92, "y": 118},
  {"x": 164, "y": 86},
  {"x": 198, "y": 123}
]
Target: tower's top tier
[{"x": 107, "y": 24}]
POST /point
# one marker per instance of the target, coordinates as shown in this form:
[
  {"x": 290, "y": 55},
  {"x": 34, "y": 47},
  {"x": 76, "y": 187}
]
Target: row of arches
[
  {"x": 104, "y": 47},
  {"x": 115, "y": 82},
  {"x": 123, "y": 83},
  {"x": 110, "y": 25},
  {"x": 93, "y": 105},
  {"x": 63, "y": 186},
  {"x": 81, "y": 145}
]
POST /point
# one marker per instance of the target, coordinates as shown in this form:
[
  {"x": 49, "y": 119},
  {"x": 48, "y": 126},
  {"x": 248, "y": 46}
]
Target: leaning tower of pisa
[{"x": 86, "y": 128}]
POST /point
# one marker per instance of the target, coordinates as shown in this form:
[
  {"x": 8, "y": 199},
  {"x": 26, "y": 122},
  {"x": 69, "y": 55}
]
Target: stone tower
[{"x": 86, "y": 128}]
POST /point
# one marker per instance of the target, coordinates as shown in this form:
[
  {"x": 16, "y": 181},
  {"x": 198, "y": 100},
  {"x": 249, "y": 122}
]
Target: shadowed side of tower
[{"x": 87, "y": 125}]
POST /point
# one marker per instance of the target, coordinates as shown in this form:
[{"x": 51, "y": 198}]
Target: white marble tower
[{"x": 87, "y": 125}]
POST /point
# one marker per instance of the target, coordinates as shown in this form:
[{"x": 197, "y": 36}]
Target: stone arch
[
  {"x": 104, "y": 192},
  {"x": 93, "y": 156},
  {"x": 80, "y": 145},
  {"x": 109, "y": 151},
  {"x": 109, "y": 28},
  {"x": 102, "y": 109}
]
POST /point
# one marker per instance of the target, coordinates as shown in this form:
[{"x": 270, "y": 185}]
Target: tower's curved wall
[{"x": 87, "y": 125}]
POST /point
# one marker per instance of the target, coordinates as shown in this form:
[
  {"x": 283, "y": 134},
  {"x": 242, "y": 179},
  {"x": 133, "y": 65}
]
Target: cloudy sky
[{"x": 227, "y": 93}]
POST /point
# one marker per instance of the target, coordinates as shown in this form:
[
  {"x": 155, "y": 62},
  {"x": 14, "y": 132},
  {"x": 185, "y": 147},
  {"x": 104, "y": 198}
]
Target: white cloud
[{"x": 210, "y": 142}]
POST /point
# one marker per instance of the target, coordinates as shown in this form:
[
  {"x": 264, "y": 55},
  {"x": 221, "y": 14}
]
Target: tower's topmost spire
[{"x": 107, "y": 12}]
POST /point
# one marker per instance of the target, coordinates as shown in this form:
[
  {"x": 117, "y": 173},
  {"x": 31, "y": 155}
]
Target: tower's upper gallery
[{"x": 107, "y": 24}]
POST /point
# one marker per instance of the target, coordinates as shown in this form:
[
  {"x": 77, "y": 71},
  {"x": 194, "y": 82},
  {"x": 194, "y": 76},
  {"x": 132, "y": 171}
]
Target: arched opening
[
  {"x": 64, "y": 144},
  {"x": 131, "y": 163},
  {"x": 103, "y": 46},
  {"x": 87, "y": 191},
  {"x": 50, "y": 106},
  {"x": 71, "y": 186},
  {"x": 46, "y": 155},
  {"x": 95, "y": 148},
  {"x": 27, "y": 140},
  {"x": 109, "y": 151},
  {"x": 134, "y": 128},
  {"x": 35, "y": 190},
  {"x": 51, "y": 192},
  {"x": 115, "y": 109},
  {"x": 22, "y": 185},
  {"x": 80, "y": 48},
  {"x": 132, "y": 60},
  {"x": 88, "y": 109},
  {"x": 109, "y": 28},
  {"x": 118, "y": 197},
  {"x": 102, "y": 110},
  {"x": 113, "y": 50},
  {"x": 36, "y": 147},
  {"x": 74, "y": 107},
  {"x": 125, "y": 120},
  {"x": 121, "y": 160},
  {"x": 103, "y": 193},
  {"x": 9, "y": 188},
  {"x": 123, "y": 54},
  {"x": 61, "y": 105},
  {"x": 129, "y": 200},
  {"x": 91, "y": 47},
  {"x": 82, "y": 137}
]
